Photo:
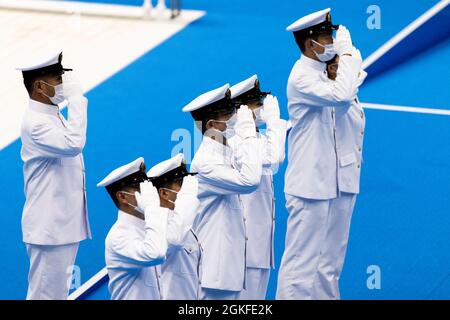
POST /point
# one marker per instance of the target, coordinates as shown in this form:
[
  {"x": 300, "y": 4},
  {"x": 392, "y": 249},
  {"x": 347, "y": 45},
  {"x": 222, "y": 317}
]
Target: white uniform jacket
[
  {"x": 55, "y": 210},
  {"x": 223, "y": 176},
  {"x": 312, "y": 98},
  {"x": 180, "y": 273},
  {"x": 259, "y": 206},
  {"x": 133, "y": 248}
]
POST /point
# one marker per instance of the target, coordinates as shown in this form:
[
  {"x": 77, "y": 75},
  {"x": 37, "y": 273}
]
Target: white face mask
[
  {"x": 59, "y": 93},
  {"x": 327, "y": 54},
  {"x": 136, "y": 208},
  {"x": 230, "y": 123}
]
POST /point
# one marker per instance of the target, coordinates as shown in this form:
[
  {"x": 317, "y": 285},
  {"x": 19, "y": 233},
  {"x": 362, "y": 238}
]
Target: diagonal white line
[
  {"x": 405, "y": 109},
  {"x": 404, "y": 33},
  {"x": 88, "y": 284}
]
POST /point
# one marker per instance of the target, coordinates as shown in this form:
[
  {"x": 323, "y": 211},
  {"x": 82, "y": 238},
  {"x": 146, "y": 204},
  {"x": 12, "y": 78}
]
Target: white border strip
[
  {"x": 404, "y": 33},
  {"x": 88, "y": 284},
  {"x": 405, "y": 109}
]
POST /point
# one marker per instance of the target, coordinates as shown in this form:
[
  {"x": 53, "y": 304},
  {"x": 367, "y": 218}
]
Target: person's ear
[
  {"x": 163, "y": 194},
  {"x": 209, "y": 124},
  {"x": 121, "y": 197},
  {"x": 38, "y": 87},
  {"x": 308, "y": 44}
]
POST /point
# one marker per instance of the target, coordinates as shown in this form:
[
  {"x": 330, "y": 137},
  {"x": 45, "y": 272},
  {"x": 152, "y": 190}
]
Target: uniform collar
[
  {"x": 130, "y": 220},
  {"x": 44, "y": 108},
  {"x": 314, "y": 64}
]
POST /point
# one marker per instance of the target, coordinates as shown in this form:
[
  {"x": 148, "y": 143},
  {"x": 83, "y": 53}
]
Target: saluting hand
[
  {"x": 270, "y": 109},
  {"x": 147, "y": 197},
  {"x": 187, "y": 202},
  {"x": 357, "y": 54},
  {"x": 245, "y": 124},
  {"x": 71, "y": 86},
  {"x": 189, "y": 186},
  {"x": 343, "y": 43}
]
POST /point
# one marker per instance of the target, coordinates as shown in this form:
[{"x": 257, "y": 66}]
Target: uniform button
[
  {"x": 359, "y": 166},
  {"x": 245, "y": 219},
  {"x": 362, "y": 132},
  {"x": 359, "y": 149},
  {"x": 246, "y": 238}
]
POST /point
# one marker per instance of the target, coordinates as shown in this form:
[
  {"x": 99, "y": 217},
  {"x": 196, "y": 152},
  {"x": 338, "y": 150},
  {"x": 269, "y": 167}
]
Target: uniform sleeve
[
  {"x": 56, "y": 141},
  {"x": 244, "y": 177},
  {"x": 150, "y": 251},
  {"x": 273, "y": 149},
  {"x": 337, "y": 93}
]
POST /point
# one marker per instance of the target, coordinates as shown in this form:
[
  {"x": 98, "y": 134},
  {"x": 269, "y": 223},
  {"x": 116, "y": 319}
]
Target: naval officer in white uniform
[
  {"x": 320, "y": 198},
  {"x": 259, "y": 206},
  {"x": 223, "y": 175},
  {"x": 54, "y": 218},
  {"x": 180, "y": 273},
  {"x": 137, "y": 243}
]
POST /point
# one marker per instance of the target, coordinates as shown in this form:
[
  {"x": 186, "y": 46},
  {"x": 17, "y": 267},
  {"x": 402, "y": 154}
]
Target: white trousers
[
  {"x": 257, "y": 281},
  {"x": 50, "y": 271},
  {"x": 315, "y": 246},
  {"x": 216, "y": 294}
]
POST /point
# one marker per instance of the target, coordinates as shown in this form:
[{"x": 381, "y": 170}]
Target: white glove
[
  {"x": 187, "y": 202},
  {"x": 356, "y": 54},
  {"x": 245, "y": 124},
  {"x": 343, "y": 43},
  {"x": 270, "y": 109},
  {"x": 189, "y": 186},
  {"x": 187, "y": 197},
  {"x": 148, "y": 197},
  {"x": 71, "y": 86}
]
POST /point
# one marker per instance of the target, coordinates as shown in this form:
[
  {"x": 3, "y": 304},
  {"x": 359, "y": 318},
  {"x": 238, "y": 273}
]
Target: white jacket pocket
[{"x": 347, "y": 159}]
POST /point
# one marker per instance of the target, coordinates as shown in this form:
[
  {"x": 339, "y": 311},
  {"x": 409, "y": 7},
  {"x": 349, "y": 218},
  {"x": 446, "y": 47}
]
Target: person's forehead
[{"x": 177, "y": 183}]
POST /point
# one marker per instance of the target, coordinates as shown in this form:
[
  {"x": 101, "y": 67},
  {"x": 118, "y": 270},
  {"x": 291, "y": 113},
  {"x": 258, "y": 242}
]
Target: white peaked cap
[
  {"x": 207, "y": 98},
  {"x": 122, "y": 172}
]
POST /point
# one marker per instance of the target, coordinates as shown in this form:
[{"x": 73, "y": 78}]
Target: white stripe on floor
[
  {"x": 405, "y": 109},
  {"x": 88, "y": 284},
  {"x": 413, "y": 26}
]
